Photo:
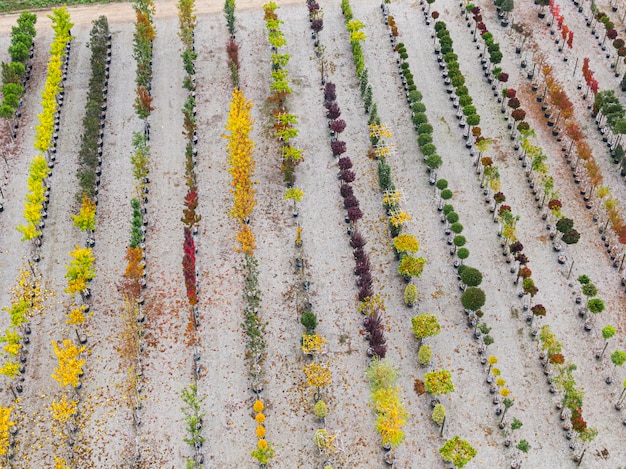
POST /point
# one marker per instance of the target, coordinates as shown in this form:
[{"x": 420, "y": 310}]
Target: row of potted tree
[
  {"x": 26, "y": 302},
  {"x": 391, "y": 414},
  {"x": 27, "y": 295},
  {"x": 539, "y": 310},
  {"x": 190, "y": 219},
  {"x": 80, "y": 270},
  {"x": 46, "y": 131},
  {"x": 16, "y": 73},
  {"x": 134, "y": 277},
  {"x": 284, "y": 122},
  {"x": 241, "y": 168}
]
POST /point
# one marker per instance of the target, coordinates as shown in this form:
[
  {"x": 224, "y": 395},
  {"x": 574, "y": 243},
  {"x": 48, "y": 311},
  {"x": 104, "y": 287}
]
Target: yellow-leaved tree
[
  {"x": 63, "y": 409},
  {"x": 5, "y": 427},
  {"x": 240, "y": 158},
  {"x": 80, "y": 271},
  {"x": 86, "y": 218},
  {"x": 70, "y": 365}
]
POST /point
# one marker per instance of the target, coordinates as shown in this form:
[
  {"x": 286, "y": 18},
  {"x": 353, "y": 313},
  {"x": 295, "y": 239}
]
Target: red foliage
[
  {"x": 578, "y": 423},
  {"x": 518, "y": 115},
  {"x": 189, "y": 267},
  {"x": 555, "y": 204},
  {"x": 338, "y": 125},
  {"x": 338, "y": 147},
  {"x": 510, "y": 93}
]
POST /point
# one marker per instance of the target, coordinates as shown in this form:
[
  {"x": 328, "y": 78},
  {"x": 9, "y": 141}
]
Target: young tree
[
  {"x": 471, "y": 277},
  {"x": 425, "y": 325},
  {"x": 438, "y": 382},
  {"x": 457, "y": 451},
  {"x": 473, "y": 298},
  {"x": 607, "y": 333}
]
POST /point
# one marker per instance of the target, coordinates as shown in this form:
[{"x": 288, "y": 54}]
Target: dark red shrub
[
  {"x": 516, "y": 247},
  {"x": 347, "y": 175},
  {"x": 365, "y": 292},
  {"x": 346, "y": 190},
  {"x": 514, "y": 103},
  {"x": 338, "y": 125},
  {"x": 475, "y": 10},
  {"x": 521, "y": 258},
  {"x": 362, "y": 268},
  {"x": 510, "y": 93},
  {"x": 355, "y": 214},
  {"x": 518, "y": 115},
  {"x": 555, "y": 204},
  {"x": 503, "y": 77},
  {"x": 317, "y": 25},
  {"x": 344, "y": 163},
  {"x": 350, "y": 201},
  {"x": 339, "y": 148},
  {"x": 611, "y": 34},
  {"x": 329, "y": 92},
  {"x": 333, "y": 111},
  {"x": 364, "y": 280},
  {"x": 357, "y": 240},
  {"x": 189, "y": 267},
  {"x": 360, "y": 255}
]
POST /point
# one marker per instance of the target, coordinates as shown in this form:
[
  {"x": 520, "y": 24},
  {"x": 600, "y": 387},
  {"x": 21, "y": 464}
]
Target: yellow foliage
[
  {"x": 260, "y": 431},
  {"x": 504, "y": 392},
  {"x": 392, "y": 197},
  {"x": 86, "y": 219},
  {"x": 312, "y": 343},
  {"x": 399, "y": 217},
  {"x": 246, "y": 240},
  {"x": 260, "y": 418},
  {"x": 80, "y": 270},
  {"x": 241, "y": 162},
  {"x": 5, "y": 426},
  {"x": 262, "y": 444},
  {"x": 500, "y": 382},
  {"x": 492, "y": 360},
  {"x": 317, "y": 375},
  {"x": 372, "y": 305},
  {"x": 10, "y": 369},
  {"x": 60, "y": 463},
  {"x": 12, "y": 349},
  {"x": 64, "y": 409},
  {"x": 495, "y": 371},
  {"x": 70, "y": 365},
  {"x": 76, "y": 316},
  {"x": 258, "y": 406}
]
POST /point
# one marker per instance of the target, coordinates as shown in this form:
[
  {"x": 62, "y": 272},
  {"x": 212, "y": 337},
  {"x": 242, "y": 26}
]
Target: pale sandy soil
[{"x": 108, "y": 438}]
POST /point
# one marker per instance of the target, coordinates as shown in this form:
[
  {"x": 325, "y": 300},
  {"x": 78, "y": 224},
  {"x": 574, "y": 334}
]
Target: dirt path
[
  {"x": 60, "y": 237},
  {"x": 109, "y": 429}
]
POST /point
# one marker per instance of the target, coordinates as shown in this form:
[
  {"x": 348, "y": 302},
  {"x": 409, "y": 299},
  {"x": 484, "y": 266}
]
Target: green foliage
[
  {"x": 583, "y": 280},
  {"x": 462, "y": 253},
  {"x": 309, "y": 320},
  {"x": 424, "y": 355},
  {"x": 471, "y": 277},
  {"x": 589, "y": 289},
  {"x": 595, "y": 305},
  {"x": 523, "y": 446},
  {"x": 516, "y": 424},
  {"x": 410, "y": 294},
  {"x": 608, "y": 332},
  {"x": 136, "y": 234},
  {"x": 473, "y": 298},
  {"x": 439, "y": 414},
  {"x": 320, "y": 409},
  {"x": 193, "y": 419},
  {"x": 229, "y": 13},
  {"x": 425, "y": 325},
  {"x": 618, "y": 357},
  {"x": 457, "y": 451}
]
